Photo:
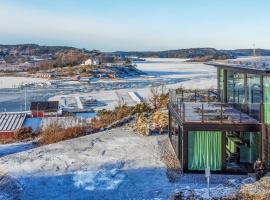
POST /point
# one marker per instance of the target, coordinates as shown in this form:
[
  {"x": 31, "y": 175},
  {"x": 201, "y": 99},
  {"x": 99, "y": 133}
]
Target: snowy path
[
  {"x": 115, "y": 164},
  {"x": 7, "y": 149}
]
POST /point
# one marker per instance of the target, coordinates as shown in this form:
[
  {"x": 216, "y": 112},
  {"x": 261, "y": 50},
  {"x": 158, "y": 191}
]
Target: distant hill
[
  {"x": 196, "y": 54},
  {"x": 249, "y": 52},
  {"x": 21, "y": 52},
  {"x": 46, "y": 55},
  {"x": 34, "y": 49}
]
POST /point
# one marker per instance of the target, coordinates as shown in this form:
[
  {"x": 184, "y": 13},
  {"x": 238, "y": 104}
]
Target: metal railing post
[
  {"x": 241, "y": 113},
  {"x": 184, "y": 113},
  {"x": 180, "y": 110},
  {"x": 177, "y": 105},
  {"x": 261, "y": 113},
  {"x": 221, "y": 114},
  {"x": 202, "y": 114},
  {"x": 182, "y": 96}
]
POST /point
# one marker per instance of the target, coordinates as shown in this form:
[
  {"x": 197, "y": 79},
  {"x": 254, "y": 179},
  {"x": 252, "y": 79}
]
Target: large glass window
[
  {"x": 204, "y": 148},
  {"x": 235, "y": 88},
  {"x": 230, "y": 87},
  {"x": 239, "y": 88},
  {"x": 266, "y": 99},
  {"x": 242, "y": 150},
  {"x": 254, "y": 95}
]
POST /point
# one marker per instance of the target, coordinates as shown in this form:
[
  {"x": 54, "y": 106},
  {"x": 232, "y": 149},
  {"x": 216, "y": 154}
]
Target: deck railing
[{"x": 197, "y": 110}]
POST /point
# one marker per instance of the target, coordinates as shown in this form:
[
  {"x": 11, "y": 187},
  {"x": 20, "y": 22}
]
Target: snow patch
[{"x": 108, "y": 177}]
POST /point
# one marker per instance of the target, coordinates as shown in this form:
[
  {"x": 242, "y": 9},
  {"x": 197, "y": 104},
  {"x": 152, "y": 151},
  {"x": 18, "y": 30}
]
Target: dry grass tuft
[
  {"x": 160, "y": 120},
  {"x": 173, "y": 169},
  {"x": 54, "y": 133},
  {"x": 142, "y": 125},
  {"x": 23, "y": 133}
]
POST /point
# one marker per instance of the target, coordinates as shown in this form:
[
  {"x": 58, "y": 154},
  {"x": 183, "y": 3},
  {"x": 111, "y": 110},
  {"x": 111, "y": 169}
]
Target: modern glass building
[{"x": 227, "y": 133}]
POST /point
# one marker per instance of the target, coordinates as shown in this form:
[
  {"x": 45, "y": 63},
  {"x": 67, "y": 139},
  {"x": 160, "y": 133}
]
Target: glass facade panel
[
  {"x": 249, "y": 150},
  {"x": 266, "y": 99},
  {"x": 221, "y": 84},
  {"x": 242, "y": 150},
  {"x": 235, "y": 88},
  {"x": 254, "y": 95},
  {"x": 204, "y": 148},
  {"x": 230, "y": 87},
  {"x": 239, "y": 88}
]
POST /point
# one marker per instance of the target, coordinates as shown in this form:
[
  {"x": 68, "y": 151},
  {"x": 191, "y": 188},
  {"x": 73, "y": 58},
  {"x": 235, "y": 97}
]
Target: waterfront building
[{"x": 227, "y": 133}]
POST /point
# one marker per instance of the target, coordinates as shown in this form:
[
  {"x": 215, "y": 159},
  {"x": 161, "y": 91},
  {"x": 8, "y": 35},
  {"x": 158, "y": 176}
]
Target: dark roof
[
  {"x": 49, "y": 106},
  {"x": 11, "y": 121},
  {"x": 259, "y": 64}
]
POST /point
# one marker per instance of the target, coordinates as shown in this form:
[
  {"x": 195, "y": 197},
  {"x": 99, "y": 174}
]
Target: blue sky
[{"x": 137, "y": 24}]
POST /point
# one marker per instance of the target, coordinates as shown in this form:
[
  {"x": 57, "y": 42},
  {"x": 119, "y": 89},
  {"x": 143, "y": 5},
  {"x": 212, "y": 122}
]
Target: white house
[{"x": 90, "y": 61}]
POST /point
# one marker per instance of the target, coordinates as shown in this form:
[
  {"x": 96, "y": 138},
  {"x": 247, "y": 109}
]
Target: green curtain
[
  {"x": 204, "y": 147},
  {"x": 266, "y": 99}
]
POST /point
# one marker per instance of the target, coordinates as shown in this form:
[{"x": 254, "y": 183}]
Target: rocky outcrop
[
  {"x": 231, "y": 190},
  {"x": 259, "y": 190}
]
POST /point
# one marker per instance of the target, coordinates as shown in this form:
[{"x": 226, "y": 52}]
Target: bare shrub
[
  {"x": 160, "y": 120},
  {"x": 159, "y": 97},
  {"x": 107, "y": 117},
  {"x": 141, "y": 108},
  {"x": 23, "y": 133},
  {"x": 122, "y": 111},
  {"x": 54, "y": 133}
]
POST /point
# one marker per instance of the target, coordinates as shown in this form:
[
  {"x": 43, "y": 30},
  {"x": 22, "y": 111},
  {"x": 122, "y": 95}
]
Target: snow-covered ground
[
  {"x": 115, "y": 164},
  {"x": 14, "y": 82},
  {"x": 7, "y": 149}
]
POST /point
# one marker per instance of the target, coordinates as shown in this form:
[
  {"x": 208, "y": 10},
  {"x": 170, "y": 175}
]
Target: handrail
[{"x": 218, "y": 112}]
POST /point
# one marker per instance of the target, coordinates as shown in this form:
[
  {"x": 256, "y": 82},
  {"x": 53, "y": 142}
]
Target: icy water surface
[{"x": 169, "y": 72}]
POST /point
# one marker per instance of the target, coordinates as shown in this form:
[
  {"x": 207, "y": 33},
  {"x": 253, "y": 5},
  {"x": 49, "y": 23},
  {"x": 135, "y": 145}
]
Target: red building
[
  {"x": 9, "y": 123},
  {"x": 44, "y": 108}
]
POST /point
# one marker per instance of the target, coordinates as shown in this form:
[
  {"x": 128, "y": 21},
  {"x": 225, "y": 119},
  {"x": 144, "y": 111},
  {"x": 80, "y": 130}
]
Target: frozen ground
[
  {"x": 7, "y": 149},
  {"x": 13, "y": 82},
  {"x": 115, "y": 164},
  {"x": 170, "y": 72}
]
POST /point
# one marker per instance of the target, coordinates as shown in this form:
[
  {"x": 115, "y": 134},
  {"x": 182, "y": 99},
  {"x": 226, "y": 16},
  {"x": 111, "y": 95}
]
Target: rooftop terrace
[{"x": 203, "y": 107}]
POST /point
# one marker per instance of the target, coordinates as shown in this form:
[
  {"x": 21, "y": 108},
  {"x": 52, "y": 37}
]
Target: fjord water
[{"x": 157, "y": 71}]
